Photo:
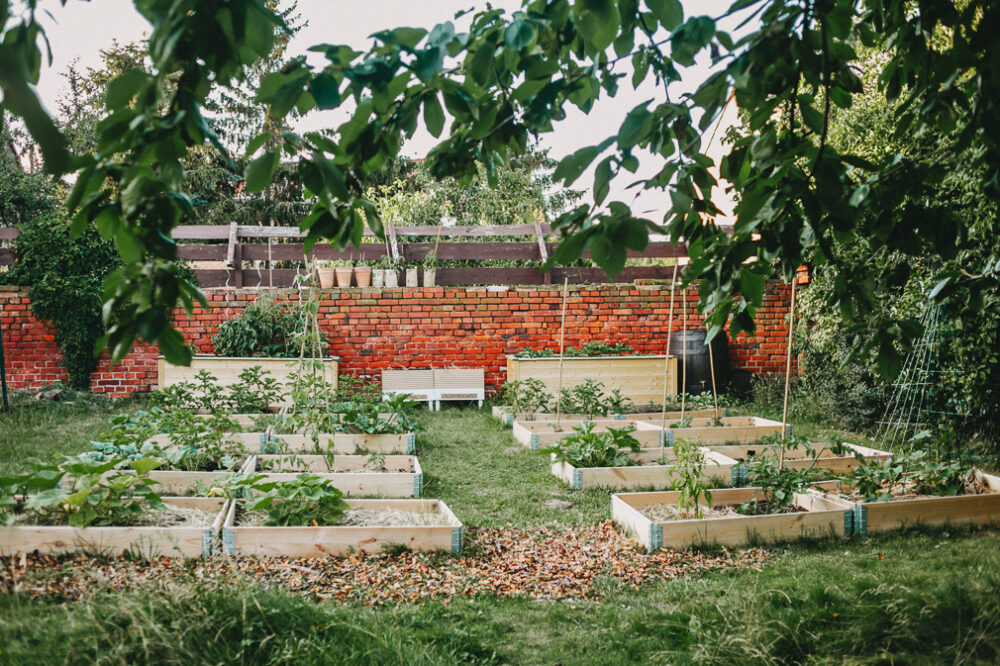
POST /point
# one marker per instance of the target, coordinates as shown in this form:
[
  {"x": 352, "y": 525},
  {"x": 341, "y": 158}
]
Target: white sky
[{"x": 80, "y": 30}]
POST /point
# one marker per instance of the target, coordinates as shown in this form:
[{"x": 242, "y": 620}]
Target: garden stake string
[
  {"x": 666, "y": 362},
  {"x": 562, "y": 344},
  {"x": 788, "y": 376}
]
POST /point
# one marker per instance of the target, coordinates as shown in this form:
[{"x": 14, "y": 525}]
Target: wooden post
[
  {"x": 788, "y": 374},
  {"x": 270, "y": 264},
  {"x": 562, "y": 346},
  {"x": 543, "y": 251},
  {"x": 666, "y": 361}
]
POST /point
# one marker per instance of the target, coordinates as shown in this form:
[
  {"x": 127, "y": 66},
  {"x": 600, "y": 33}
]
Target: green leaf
[
  {"x": 597, "y": 21},
  {"x": 145, "y": 465},
  {"x": 518, "y": 35},
  {"x": 636, "y": 126},
  {"x": 669, "y": 13},
  {"x": 602, "y": 180},
  {"x": 433, "y": 114},
  {"x": 325, "y": 91},
  {"x": 889, "y": 360},
  {"x": 121, "y": 91},
  {"x": 259, "y": 171}
]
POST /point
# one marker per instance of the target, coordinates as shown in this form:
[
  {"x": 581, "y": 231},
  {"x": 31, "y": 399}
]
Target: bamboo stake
[
  {"x": 562, "y": 345},
  {"x": 666, "y": 362},
  {"x": 270, "y": 264},
  {"x": 788, "y": 375},
  {"x": 684, "y": 354},
  {"x": 711, "y": 369}
]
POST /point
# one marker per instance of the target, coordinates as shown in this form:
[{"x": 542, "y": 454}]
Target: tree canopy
[{"x": 509, "y": 78}]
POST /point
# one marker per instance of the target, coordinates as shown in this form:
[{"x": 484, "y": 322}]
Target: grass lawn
[{"x": 919, "y": 597}]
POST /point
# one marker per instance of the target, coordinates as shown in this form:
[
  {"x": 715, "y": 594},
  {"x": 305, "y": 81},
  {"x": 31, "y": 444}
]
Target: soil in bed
[
  {"x": 171, "y": 516},
  {"x": 359, "y": 518},
  {"x": 667, "y": 512}
]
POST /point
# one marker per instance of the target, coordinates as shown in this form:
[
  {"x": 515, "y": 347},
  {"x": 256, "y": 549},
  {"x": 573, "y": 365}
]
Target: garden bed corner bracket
[
  {"x": 418, "y": 481},
  {"x": 207, "y": 542},
  {"x": 457, "y": 535},
  {"x": 655, "y": 537},
  {"x": 533, "y": 442},
  {"x": 859, "y": 524},
  {"x": 228, "y": 541},
  {"x": 411, "y": 442},
  {"x": 578, "y": 479}
]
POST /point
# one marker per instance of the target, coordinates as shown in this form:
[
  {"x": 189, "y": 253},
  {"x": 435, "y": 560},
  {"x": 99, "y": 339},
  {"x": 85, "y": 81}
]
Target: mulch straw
[{"x": 544, "y": 563}]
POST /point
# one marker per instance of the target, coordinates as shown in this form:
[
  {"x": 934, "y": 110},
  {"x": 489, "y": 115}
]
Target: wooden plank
[
  {"x": 7, "y": 257},
  {"x": 148, "y": 541},
  {"x": 735, "y": 429},
  {"x": 200, "y": 232},
  {"x": 9, "y": 233},
  {"x": 639, "y": 378},
  {"x": 203, "y": 252},
  {"x": 820, "y": 519},
  {"x": 294, "y": 252},
  {"x": 227, "y": 370},
  {"x": 340, "y": 540},
  {"x": 250, "y": 441},
  {"x": 541, "y": 434},
  {"x": 350, "y": 473},
  {"x": 642, "y": 476},
  {"x": 339, "y": 443}
]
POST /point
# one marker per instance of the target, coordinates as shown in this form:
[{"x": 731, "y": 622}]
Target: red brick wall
[{"x": 374, "y": 329}]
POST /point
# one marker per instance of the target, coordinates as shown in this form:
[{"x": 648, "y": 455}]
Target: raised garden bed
[
  {"x": 734, "y": 429},
  {"x": 639, "y": 378},
  {"x": 540, "y": 434},
  {"x": 227, "y": 370},
  {"x": 800, "y": 458},
  {"x": 403, "y": 443},
  {"x": 817, "y": 516},
  {"x": 505, "y": 414},
  {"x": 250, "y": 441},
  {"x": 647, "y": 474},
  {"x": 145, "y": 541},
  {"x": 925, "y": 511},
  {"x": 372, "y": 476},
  {"x": 440, "y": 531}
]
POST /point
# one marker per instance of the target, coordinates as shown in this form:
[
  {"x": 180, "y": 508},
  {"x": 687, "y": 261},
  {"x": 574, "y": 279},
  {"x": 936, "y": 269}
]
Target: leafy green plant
[
  {"x": 586, "y": 398},
  {"x": 526, "y": 396},
  {"x": 391, "y": 416},
  {"x": 268, "y": 326},
  {"x": 308, "y": 499},
  {"x": 689, "y": 478},
  {"x": 430, "y": 260},
  {"x": 587, "y": 349},
  {"x": 585, "y": 447},
  {"x": 80, "y": 491},
  {"x": 778, "y": 483},
  {"x": 255, "y": 392},
  {"x": 917, "y": 472}
]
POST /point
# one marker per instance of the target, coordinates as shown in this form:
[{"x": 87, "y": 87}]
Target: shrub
[{"x": 269, "y": 326}]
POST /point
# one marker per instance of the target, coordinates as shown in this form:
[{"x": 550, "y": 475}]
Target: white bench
[{"x": 433, "y": 386}]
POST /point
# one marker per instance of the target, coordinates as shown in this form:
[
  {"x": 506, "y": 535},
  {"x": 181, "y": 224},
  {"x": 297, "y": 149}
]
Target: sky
[{"x": 78, "y": 31}]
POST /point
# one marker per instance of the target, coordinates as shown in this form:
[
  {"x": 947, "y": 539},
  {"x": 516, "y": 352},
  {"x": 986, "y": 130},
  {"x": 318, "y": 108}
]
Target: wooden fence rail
[{"x": 235, "y": 244}]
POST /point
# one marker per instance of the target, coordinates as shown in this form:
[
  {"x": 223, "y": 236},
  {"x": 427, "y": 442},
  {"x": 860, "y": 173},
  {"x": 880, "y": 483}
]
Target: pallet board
[
  {"x": 643, "y": 475},
  {"x": 146, "y": 541},
  {"x": 540, "y": 434},
  {"x": 639, "y": 378},
  {"x": 796, "y": 458},
  {"x": 342, "y": 442},
  {"x": 250, "y": 441},
  {"x": 505, "y": 414},
  {"x": 350, "y": 474},
  {"x": 735, "y": 429},
  {"x": 341, "y": 540},
  {"x": 227, "y": 370},
  {"x": 824, "y": 516},
  {"x": 931, "y": 511}
]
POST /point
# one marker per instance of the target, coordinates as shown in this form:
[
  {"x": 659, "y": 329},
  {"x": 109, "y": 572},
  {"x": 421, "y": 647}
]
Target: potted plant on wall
[
  {"x": 324, "y": 271},
  {"x": 344, "y": 270},
  {"x": 430, "y": 269},
  {"x": 362, "y": 273},
  {"x": 391, "y": 273},
  {"x": 411, "y": 274},
  {"x": 379, "y": 271}
]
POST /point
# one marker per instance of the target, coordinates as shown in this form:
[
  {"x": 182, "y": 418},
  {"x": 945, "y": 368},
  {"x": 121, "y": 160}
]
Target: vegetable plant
[
  {"x": 689, "y": 480},
  {"x": 80, "y": 491},
  {"x": 585, "y": 447},
  {"x": 527, "y": 396},
  {"x": 308, "y": 499},
  {"x": 368, "y": 417}
]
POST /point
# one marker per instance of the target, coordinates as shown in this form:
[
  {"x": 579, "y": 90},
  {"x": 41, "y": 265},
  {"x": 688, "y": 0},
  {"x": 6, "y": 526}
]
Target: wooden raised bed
[
  {"x": 540, "y": 434},
  {"x": 341, "y": 540},
  {"x": 227, "y": 370},
  {"x": 505, "y": 414},
  {"x": 930, "y": 511},
  {"x": 350, "y": 473},
  {"x": 639, "y": 378},
  {"x": 341, "y": 442},
  {"x": 643, "y": 475},
  {"x": 148, "y": 541},
  {"x": 796, "y": 458},
  {"x": 250, "y": 441},
  {"x": 735, "y": 429},
  {"x": 823, "y": 516}
]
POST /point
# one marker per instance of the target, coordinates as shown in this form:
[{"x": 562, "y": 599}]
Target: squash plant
[
  {"x": 80, "y": 491},
  {"x": 308, "y": 499},
  {"x": 585, "y": 447}
]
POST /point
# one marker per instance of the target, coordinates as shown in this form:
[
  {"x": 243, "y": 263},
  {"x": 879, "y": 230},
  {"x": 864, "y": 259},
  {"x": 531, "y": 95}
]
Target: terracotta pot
[
  {"x": 378, "y": 277},
  {"x": 325, "y": 277},
  {"x": 411, "y": 277},
  {"x": 344, "y": 277},
  {"x": 391, "y": 278},
  {"x": 430, "y": 275},
  {"x": 363, "y": 276}
]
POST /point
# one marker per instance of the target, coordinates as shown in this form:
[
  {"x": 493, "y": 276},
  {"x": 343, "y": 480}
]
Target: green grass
[{"x": 932, "y": 597}]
